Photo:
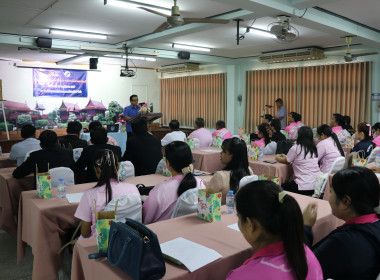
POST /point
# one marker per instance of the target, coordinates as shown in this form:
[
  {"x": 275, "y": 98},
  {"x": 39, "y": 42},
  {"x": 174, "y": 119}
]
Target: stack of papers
[
  {"x": 234, "y": 226},
  {"x": 211, "y": 151},
  {"x": 74, "y": 197},
  {"x": 190, "y": 254}
]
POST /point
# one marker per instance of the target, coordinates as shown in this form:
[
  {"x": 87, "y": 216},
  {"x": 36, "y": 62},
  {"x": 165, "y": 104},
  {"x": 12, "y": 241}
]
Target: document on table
[
  {"x": 74, "y": 197},
  {"x": 211, "y": 151},
  {"x": 190, "y": 254},
  {"x": 234, "y": 226}
]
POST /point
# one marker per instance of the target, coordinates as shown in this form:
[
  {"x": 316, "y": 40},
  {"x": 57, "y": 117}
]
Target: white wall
[{"x": 105, "y": 86}]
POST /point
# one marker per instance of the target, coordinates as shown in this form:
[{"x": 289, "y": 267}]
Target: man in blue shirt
[
  {"x": 131, "y": 111},
  {"x": 281, "y": 112}
]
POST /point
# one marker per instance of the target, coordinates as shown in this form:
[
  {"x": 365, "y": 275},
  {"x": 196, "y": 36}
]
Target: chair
[
  {"x": 372, "y": 156},
  {"x": 336, "y": 166},
  {"x": 126, "y": 170},
  {"x": 187, "y": 203},
  {"x": 28, "y": 154},
  {"x": 76, "y": 153},
  {"x": 129, "y": 206},
  {"x": 61, "y": 172},
  {"x": 247, "y": 179}
]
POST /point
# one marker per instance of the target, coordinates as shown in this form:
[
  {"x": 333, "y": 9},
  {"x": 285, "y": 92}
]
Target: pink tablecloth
[
  {"x": 5, "y": 162},
  {"x": 10, "y": 190},
  {"x": 283, "y": 171},
  {"x": 43, "y": 224},
  {"x": 228, "y": 242},
  {"x": 206, "y": 160}
]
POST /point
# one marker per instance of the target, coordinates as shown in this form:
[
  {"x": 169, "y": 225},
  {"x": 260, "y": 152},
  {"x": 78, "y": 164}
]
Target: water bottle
[
  {"x": 377, "y": 162},
  {"x": 61, "y": 188},
  {"x": 260, "y": 157},
  {"x": 230, "y": 202}
]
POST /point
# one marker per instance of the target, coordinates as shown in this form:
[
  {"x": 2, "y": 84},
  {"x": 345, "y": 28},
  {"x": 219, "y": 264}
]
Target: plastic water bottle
[
  {"x": 230, "y": 202},
  {"x": 377, "y": 162},
  {"x": 61, "y": 188},
  {"x": 260, "y": 157}
]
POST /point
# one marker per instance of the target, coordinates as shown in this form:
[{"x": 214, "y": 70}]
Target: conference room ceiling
[{"x": 34, "y": 18}]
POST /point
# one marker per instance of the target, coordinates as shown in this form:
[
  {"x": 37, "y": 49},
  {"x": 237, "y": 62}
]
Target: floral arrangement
[{"x": 144, "y": 109}]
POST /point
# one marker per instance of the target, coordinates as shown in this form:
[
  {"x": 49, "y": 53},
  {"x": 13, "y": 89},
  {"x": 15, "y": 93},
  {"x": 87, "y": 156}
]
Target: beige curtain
[
  {"x": 186, "y": 98},
  {"x": 316, "y": 92}
]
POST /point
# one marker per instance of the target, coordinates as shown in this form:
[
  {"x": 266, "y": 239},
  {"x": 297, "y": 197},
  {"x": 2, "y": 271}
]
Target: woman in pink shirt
[
  {"x": 107, "y": 188},
  {"x": 328, "y": 148},
  {"x": 294, "y": 124},
  {"x": 271, "y": 222},
  {"x": 201, "y": 133},
  {"x": 304, "y": 158},
  {"x": 162, "y": 198},
  {"x": 376, "y": 134},
  {"x": 221, "y": 130}
]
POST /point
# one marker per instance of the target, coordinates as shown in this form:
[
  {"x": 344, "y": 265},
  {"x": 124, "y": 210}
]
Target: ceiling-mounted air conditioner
[
  {"x": 294, "y": 55},
  {"x": 179, "y": 68}
]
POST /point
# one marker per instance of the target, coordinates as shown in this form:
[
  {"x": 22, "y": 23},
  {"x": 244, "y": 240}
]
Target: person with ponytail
[
  {"x": 328, "y": 148},
  {"x": 265, "y": 141},
  {"x": 235, "y": 158},
  {"x": 352, "y": 251},
  {"x": 294, "y": 124},
  {"x": 364, "y": 135},
  {"x": 107, "y": 188},
  {"x": 271, "y": 222},
  {"x": 162, "y": 198}
]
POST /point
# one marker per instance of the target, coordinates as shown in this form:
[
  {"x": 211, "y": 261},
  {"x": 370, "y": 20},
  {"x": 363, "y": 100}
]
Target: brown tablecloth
[
  {"x": 228, "y": 242},
  {"x": 6, "y": 162},
  {"x": 281, "y": 170},
  {"x": 207, "y": 161},
  {"x": 10, "y": 190},
  {"x": 43, "y": 224}
]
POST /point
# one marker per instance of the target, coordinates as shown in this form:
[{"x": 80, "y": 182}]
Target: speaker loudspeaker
[
  {"x": 184, "y": 55},
  {"x": 93, "y": 63},
  {"x": 44, "y": 42}
]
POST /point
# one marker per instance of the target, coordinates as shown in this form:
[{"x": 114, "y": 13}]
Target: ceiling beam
[{"x": 304, "y": 4}]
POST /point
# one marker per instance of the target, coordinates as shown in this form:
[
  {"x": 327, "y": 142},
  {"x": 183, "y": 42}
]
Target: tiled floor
[{"x": 10, "y": 270}]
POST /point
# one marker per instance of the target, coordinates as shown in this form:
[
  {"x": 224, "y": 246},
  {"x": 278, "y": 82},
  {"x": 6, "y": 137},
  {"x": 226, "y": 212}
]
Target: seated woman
[
  {"x": 336, "y": 124},
  {"x": 328, "y": 148},
  {"x": 271, "y": 222},
  {"x": 364, "y": 135},
  {"x": 162, "y": 198},
  {"x": 107, "y": 188},
  {"x": 352, "y": 251},
  {"x": 221, "y": 130},
  {"x": 304, "y": 158},
  {"x": 275, "y": 126},
  {"x": 234, "y": 156},
  {"x": 294, "y": 124},
  {"x": 265, "y": 143},
  {"x": 376, "y": 134}
]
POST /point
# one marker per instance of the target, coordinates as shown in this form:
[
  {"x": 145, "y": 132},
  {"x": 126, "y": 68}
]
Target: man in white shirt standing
[
  {"x": 19, "y": 150},
  {"x": 281, "y": 112},
  {"x": 174, "y": 135}
]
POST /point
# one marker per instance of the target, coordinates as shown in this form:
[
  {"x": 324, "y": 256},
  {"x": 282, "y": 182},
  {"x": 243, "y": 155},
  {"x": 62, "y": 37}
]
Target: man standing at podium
[
  {"x": 130, "y": 112},
  {"x": 281, "y": 112}
]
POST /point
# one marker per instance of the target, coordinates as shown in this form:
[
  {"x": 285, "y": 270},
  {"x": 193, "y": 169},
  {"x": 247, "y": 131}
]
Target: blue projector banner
[{"x": 59, "y": 83}]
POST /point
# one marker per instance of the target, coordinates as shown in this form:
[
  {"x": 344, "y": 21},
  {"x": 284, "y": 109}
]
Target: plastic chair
[
  {"x": 247, "y": 179},
  {"x": 372, "y": 156},
  {"x": 61, "y": 172},
  {"x": 76, "y": 153},
  {"x": 186, "y": 204},
  {"x": 129, "y": 206},
  {"x": 126, "y": 170}
]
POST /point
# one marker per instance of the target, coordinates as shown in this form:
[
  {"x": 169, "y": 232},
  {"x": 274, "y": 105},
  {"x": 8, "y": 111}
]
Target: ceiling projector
[{"x": 127, "y": 73}]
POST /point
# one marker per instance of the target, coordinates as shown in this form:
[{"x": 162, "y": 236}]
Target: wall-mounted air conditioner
[
  {"x": 294, "y": 55},
  {"x": 179, "y": 68}
]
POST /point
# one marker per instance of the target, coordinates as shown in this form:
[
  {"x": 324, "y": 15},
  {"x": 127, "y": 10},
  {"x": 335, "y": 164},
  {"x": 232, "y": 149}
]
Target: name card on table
[
  {"x": 74, "y": 197},
  {"x": 190, "y": 254}
]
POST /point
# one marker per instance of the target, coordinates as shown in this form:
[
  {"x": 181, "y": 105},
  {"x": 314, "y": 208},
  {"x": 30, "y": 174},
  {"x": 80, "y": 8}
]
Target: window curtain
[
  {"x": 316, "y": 92},
  {"x": 187, "y": 98}
]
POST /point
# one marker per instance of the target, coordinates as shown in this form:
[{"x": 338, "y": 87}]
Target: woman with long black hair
[
  {"x": 271, "y": 222},
  {"x": 234, "y": 156},
  {"x": 265, "y": 143},
  {"x": 328, "y": 148},
  {"x": 304, "y": 158}
]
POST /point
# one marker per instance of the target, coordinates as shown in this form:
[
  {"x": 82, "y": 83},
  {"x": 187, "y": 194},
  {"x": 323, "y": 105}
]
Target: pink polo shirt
[
  {"x": 377, "y": 141},
  {"x": 327, "y": 153},
  {"x": 364, "y": 219},
  {"x": 271, "y": 262},
  {"x": 162, "y": 198},
  {"x": 305, "y": 170},
  {"x": 203, "y": 135},
  {"x": 223, "y": 132}
]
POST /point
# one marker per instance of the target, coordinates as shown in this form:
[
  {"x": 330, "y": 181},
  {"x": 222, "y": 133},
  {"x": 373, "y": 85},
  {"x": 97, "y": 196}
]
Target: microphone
[{"x": 269, "y": 106}]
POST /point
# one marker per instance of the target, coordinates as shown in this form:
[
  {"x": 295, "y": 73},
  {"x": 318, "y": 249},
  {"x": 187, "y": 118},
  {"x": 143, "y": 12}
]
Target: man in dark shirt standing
[
  {"x": 130, "y": 112},
  {"x": 143, "y": 149},
  {"x": 72, "y": 140}
]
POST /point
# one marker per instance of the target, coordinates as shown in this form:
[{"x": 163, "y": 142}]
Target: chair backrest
[
  {"x": 126, "y": 170},
  {"x": 128, "y": 206},
  {"x": 61, "y": 172},
  {"x": 372, "y": 156},
  {"x": 76, "y": 153},
  {"x": 336, "y": 166},
  {"x": 247, "y": 179},
  {"x": 186, "y": 204}
]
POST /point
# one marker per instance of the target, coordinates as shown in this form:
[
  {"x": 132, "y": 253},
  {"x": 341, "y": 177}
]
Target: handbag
[
  {"x": 355, "y": 159},
  {"x": 144, "y": 190},
  {"x": 283, "y": 146},
  {"x": 43, "y": 184},
  {"x": 135, "y": 249}
]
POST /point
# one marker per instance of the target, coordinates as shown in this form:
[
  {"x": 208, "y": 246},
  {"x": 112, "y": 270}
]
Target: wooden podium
[{"x": 148, "y": 116}]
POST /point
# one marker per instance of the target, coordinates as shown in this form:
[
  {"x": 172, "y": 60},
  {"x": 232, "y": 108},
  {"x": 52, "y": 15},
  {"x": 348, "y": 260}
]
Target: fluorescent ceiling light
[
  {"x": 193, "y": 48},
  {"x": 78, "y": 34},
  {"x": 135, "y": 4},
  {"x": 260, "y": 32},
  {"x": 132, "y": 57}
]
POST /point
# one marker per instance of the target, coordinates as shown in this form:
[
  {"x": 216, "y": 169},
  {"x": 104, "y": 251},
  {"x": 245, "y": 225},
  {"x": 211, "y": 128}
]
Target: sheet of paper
[
  {"x": 190, "y": 254},
  {"x": 234, "y": 226},
  {"x": 74, "y": 197},
  {"x": 211, "y": 151}
]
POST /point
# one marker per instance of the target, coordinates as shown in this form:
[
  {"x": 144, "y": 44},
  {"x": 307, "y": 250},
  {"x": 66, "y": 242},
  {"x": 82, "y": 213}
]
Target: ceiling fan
[
  {"x": 175, "y": 18},
  {"x": 348, "y": 57},
  {"x": 282, "y": 29}
]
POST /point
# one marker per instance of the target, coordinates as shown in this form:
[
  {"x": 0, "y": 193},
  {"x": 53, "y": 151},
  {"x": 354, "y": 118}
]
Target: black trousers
[{"x": 293, "y": 187}]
